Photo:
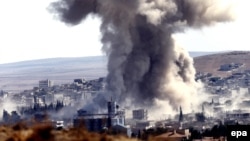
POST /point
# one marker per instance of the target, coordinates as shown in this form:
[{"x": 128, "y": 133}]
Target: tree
[
  {"x": 59, "y": 105},
  {"x": 200, "y": 117},
  {"x": 181, "y": 115},
  {"x": 195, "y": 134},
  {"x": 222, "y": 129},
  {"x": 6, "y": 116},
  {"x": 215, "y": 131}
]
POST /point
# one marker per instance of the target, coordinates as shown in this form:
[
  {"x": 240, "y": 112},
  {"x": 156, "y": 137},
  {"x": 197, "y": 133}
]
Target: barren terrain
[
  {"x": 211, "y": 63},
  {"x": 19, "y": 76},
  {"x": 15, "y": 77}
]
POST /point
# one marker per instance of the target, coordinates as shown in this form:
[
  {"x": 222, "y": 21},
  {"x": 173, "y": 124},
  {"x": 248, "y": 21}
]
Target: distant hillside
[
  {"x": 212, "y": 63},
  {"x": 26, "y": 74},
  {"x": 197, "y": 54}
]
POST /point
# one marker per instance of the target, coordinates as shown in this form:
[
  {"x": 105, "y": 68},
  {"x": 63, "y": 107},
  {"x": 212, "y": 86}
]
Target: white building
[
  {"x": 117, "y": 115},
  {"x": 45, "y": 84},
  {"x": 58, "y": 97},
  {"x": 49, "y": 98}
]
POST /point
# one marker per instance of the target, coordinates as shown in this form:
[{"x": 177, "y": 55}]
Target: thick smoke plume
[{"x": 145, "y": 67}]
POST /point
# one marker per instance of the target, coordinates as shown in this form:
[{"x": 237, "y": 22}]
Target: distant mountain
[
  {"x": 25, "y": 75},
  {"x": 54, "y": 65}
]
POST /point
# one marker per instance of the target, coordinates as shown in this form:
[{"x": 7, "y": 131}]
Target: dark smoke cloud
[
  {"x": 74, "y": 11},
  {"x": 145, "y": 66}
]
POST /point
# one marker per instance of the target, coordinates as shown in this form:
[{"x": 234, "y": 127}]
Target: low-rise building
[
  {"x": 140, "y": 114},
  {"x": 45, "y": 84},
  {"x": 97, "y": 122},
  {"x": 238, "y": 114}
]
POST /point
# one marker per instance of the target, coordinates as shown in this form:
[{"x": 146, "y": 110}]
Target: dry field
[{"x": 46, "y": 133}]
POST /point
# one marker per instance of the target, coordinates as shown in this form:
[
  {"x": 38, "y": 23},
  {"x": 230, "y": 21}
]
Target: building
[
  {"x": 117, "y": 116},
  {"x": 45, "y": 84},
  {"x": 92, "y": 124},
  {"x": 238, "y": 114},
  {"x": 48, "y": 98},
  {"x": 144, "y": 124},
  {"x": 231, "y": 66},
  {"x": 80, "y": 81},
  {"x": 96, "y": 122},
  {"x": 140, "y": 114}
]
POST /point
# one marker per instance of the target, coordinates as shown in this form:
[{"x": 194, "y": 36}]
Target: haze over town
[{"x": 141, "y": 75}]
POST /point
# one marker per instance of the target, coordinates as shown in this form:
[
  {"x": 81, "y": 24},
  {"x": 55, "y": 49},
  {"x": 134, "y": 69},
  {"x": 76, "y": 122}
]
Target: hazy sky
[{"x": 28, "y": 31}]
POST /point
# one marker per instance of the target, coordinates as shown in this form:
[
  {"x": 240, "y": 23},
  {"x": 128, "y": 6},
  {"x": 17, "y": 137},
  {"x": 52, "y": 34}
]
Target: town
[{"x": 229, "y": 99}]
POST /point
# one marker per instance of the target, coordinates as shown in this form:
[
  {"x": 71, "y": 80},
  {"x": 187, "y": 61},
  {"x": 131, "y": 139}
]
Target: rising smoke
[{"x": 145, "y": 67}]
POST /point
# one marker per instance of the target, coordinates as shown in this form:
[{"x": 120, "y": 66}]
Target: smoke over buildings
[{"x": 145, "y": 66}]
